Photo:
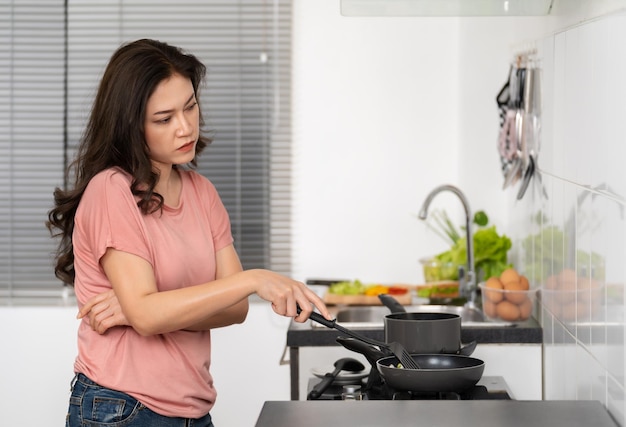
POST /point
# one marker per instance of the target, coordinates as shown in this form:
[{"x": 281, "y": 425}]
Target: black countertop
[{"x": 466, "y": 413}]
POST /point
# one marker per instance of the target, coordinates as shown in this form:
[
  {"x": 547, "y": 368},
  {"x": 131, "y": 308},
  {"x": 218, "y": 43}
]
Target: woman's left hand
[{"x": 104, "y": 312}]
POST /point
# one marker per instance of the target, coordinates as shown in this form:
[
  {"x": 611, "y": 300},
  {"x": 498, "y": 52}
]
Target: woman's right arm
[{"x": 151, "y": 312}]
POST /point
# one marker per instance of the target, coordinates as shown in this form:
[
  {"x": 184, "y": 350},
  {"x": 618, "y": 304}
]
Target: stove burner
[{"x": 488, "y": 388}]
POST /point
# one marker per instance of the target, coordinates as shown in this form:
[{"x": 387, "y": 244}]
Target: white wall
[
  {"x": 386, "y": 109},
  {"x": 581, "y": 161},
  {"x": 38, "y": 350}
]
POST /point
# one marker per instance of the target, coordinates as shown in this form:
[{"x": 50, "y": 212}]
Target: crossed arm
[{"x": 135, "y": 301}]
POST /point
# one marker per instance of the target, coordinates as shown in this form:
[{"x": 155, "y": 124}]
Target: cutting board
[{"x": 336, "y": 299}]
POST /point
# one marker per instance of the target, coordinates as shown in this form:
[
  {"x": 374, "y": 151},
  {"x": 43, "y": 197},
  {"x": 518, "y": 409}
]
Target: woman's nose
[{"x": 184, "y": 127}]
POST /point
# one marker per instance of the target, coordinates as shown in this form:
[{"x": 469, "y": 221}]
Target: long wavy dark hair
[{"x": 114, "y": 135}]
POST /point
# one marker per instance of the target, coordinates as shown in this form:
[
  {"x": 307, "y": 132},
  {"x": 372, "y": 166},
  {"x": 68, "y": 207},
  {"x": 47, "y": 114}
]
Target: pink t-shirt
[{"x": 169, "y": 373}]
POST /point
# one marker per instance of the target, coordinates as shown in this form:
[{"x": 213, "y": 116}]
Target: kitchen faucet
[{"x": 467, "y": 281}]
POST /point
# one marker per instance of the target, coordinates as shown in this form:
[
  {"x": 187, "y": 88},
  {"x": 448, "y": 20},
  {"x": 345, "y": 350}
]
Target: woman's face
[{"x": 172, "y": 122}]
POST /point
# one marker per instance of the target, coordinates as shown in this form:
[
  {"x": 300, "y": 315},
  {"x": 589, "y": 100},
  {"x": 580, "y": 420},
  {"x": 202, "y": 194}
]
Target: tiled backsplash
[{"x": 571, "y": 241}]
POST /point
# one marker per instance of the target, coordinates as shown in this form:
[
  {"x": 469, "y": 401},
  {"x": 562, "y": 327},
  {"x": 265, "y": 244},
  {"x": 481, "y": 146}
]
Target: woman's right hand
[
  {"x": 287, "y": 294},
  {"x": 103, "y": 311}
]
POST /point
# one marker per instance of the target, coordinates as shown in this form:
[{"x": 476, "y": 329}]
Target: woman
[{"x": 147, "y": 245}]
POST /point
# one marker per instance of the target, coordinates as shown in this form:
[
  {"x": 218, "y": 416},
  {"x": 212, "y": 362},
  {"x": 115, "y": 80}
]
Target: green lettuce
[
  {"x": 347, "y": 288},
  {"x": 490, "y": 252}
]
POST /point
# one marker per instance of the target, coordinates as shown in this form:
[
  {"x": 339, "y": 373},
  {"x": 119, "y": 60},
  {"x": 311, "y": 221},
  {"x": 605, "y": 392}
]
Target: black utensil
[
  {"x": 395, "y": 347},
  {"x": 345, "y": 364}
]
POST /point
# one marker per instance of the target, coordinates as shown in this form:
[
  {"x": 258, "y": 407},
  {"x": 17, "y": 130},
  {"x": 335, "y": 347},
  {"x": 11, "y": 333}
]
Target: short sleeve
[
  {"x": 219, "y": 221},
  {"x": 108, "y": 217}
]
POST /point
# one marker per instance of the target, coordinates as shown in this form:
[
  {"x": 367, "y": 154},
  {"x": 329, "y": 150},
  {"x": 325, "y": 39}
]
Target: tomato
[{"x": 398, "y": 290}]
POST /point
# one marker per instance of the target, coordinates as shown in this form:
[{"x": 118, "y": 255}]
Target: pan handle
[{"x": 371, "y": 353}]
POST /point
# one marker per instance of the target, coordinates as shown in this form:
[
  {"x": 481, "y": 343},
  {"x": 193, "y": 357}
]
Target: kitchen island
[
  {"x": 376, "y": 413},
  {"x": 306, "y": 335}
]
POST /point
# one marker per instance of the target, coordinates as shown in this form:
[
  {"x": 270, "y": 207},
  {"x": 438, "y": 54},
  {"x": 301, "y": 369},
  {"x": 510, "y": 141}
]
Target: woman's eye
[
  {"x": 164, "y": 121},
  {"x": 192, "y": 106}
]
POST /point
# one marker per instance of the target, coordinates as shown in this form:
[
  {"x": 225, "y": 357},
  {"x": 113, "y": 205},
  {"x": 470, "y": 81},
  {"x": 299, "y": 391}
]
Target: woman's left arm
[{"x": 227, "y": 264}]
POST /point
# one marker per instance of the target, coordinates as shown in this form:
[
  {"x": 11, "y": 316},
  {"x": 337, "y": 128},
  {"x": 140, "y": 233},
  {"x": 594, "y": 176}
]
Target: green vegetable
[
  {"x": 481, "y": 218},
  {"x": 347, "y": 288},
  {"x": 490, "y": 253},
  {"x": 427, "y": 292},
  {"x": 544, "y": 253},
  {"x": 440, "y": 223}
]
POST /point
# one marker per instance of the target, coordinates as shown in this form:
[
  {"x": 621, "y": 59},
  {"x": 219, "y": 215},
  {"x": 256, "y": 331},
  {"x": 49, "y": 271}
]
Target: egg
[
  {"x": 567, "y": 280},
  {"x": 524, "y": 281},
  {"x": 508, "y": 297},
  {"x": 494, "y": 296},
  {"x": 515, "y": 292},
  {"x": 508, "y": 311},
  {"x": 552, "y": 282},
  {"x": 509, "y": 275}
]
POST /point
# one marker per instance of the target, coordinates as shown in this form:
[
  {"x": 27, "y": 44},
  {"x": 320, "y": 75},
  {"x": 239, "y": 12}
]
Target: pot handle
[
  {"x": 391, "y": 303},
  {"x": 468, "y": 349}
]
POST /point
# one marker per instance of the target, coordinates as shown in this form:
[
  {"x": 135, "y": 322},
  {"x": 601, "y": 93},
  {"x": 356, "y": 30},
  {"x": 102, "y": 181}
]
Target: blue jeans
[{"x": 92, "y": 405}]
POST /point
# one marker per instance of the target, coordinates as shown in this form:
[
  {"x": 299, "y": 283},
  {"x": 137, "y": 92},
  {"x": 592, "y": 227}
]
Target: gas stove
[{"x": 488, "y": 388}]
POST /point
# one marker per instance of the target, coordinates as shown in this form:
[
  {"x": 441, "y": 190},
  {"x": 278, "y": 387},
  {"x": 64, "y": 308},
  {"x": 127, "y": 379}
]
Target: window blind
[
  {"x": 246, "y": 48},
  {"x": 32, "y": 70}
]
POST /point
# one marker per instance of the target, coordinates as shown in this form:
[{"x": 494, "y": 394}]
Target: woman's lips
[{"x": 187, "y": 147}]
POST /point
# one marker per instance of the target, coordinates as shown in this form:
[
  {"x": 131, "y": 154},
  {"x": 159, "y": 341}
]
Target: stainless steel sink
[{"x": 373, "y": 316}]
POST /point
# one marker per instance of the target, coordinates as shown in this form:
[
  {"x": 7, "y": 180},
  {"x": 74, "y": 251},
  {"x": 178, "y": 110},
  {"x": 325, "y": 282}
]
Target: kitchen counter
[
  {"x": 305, "y": 335},
  {"x": 483, "y": 413}
]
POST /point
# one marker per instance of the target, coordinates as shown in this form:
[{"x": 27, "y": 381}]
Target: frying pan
[{"x": 438, "y": 373}]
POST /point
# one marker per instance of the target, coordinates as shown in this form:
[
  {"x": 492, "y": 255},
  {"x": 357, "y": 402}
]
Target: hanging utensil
[{"x": 528, "y": 174}]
